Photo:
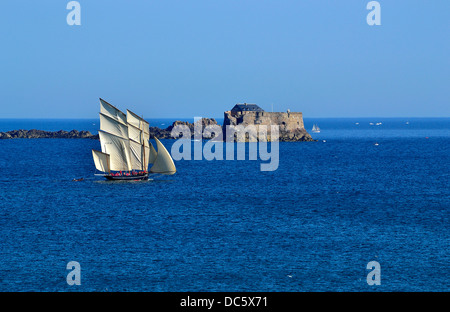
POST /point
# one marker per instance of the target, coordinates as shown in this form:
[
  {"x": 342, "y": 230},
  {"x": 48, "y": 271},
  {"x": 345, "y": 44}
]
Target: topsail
[{"x": 112, "y": 112}]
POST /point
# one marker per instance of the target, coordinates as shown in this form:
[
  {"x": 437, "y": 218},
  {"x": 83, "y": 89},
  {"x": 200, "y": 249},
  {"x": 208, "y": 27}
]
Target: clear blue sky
[{"x": 179, "y": 58}]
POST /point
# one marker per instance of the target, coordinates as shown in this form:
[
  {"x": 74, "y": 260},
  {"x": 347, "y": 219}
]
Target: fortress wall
[{"x": 286, "y": 121}]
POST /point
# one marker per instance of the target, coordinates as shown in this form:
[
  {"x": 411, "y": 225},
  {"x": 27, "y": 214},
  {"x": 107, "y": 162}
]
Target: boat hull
[{"x": 127, "y": 178}]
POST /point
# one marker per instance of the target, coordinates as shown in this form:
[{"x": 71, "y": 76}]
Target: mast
[
  {"x": 143, "y": 147},
  {"x": 138, "y": 132}
]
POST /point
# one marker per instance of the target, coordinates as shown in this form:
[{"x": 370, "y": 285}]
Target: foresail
[
  {"x": 112, "y": 126},
  {"x": 112, "y": 112},
  {"x": 164, "y": 162},
  {"x": 119, "y": 150},
  {"x": 101, "y": 161}
]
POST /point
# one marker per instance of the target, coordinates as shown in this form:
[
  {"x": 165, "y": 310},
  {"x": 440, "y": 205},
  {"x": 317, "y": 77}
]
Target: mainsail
[
  {"x": 136, "y": 155},
  {"x": 125, "y": 145},
  {"x": 118, "y": 149},
  {"x": 112, "y": 126}
]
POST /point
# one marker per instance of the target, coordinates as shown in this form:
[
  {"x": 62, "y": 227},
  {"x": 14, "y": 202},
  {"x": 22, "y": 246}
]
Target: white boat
[
  {"x": 126, "y": 151},
  {"x": 315, "y": 129}
]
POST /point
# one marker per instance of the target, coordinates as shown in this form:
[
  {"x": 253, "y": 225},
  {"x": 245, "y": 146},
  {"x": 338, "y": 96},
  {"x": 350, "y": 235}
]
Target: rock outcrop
[
  {"x": 291, "y": 128},
  {"x": 74, "y": 134},
  {"x": 41, "y": 134}
]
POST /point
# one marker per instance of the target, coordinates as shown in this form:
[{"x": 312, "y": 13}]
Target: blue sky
[{"x": 179, "y": 58}]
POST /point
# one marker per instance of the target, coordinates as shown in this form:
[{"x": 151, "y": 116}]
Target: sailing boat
[
  {"x": 315, "y": 129},
  {"x": 126, "y": 151}
]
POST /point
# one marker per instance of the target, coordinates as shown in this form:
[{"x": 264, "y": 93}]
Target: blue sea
[{"x": 314, "y": 224}]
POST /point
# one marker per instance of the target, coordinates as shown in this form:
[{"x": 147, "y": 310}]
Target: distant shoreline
[{"x": 160, "y": 133}]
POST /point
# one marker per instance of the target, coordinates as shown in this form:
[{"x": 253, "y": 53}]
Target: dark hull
[{"x": 127, "y": 178}]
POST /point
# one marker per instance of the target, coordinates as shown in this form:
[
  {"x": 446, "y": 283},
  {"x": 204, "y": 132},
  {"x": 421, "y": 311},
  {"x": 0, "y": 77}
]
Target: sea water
[{"x": 362, "y": 192}]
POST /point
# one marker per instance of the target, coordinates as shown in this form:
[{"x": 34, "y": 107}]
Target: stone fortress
[{"x": 291, "y": 127}]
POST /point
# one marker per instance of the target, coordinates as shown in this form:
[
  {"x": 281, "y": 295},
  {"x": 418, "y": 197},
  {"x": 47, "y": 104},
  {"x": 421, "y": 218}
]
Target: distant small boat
[
  {"x": 376, "y": 144},
  {"x": 315, "y": 129}
]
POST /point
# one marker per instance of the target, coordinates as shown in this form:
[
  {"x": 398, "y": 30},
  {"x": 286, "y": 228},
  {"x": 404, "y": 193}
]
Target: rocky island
[
  {"x": 291, "y": 126},
  {"x": 41, "y": 134}
]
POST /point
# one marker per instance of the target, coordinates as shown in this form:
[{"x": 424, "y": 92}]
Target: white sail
[
  {"x": 112, "y": 126},
  {"x": 119, "y": 150},
  {"x": 164, "y": 162},
  {"x": 101, "y": 161},
  {"x": 112, "y": 112},
  {"x": 135, "y": 134},
  {"x": 138, "y": 122},
  {"x": 138, "y": 131},
  {"x": 152, "y": 153},
  {"x": 136, "y": 154}
]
